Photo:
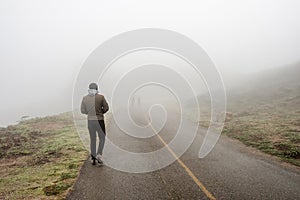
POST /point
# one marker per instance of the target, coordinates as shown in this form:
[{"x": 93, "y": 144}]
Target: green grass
[
  {"x": 276, "y": 133},
  {"x": 40, "y": 158},
  {"x": 263, "y": 112},
  {"x": 273, "y": 129}
]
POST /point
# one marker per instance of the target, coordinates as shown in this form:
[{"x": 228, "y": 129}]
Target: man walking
[{"x": 94, "y": 106}]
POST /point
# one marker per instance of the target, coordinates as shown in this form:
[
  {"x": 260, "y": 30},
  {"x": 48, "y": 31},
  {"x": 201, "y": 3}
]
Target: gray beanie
[{"x": 93, "y": 86}]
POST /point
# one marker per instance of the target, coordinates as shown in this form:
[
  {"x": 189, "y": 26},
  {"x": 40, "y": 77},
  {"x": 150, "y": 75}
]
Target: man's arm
[
  {"x": 105, "y": 106},
  {"x": 83, "y": 108}
]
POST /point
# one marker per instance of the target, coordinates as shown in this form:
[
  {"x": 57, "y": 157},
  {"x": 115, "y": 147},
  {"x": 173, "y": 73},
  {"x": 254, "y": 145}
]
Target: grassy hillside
[
  {"x": 264, "y": 112},
  {"x": 39, "y": 158}
]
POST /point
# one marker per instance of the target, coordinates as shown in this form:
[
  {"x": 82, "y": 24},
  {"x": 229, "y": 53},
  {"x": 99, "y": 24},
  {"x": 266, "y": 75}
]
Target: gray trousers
[{"x": 96, "y": 126}]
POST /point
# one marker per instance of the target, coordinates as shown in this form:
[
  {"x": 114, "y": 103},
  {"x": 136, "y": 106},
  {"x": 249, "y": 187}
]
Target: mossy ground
[
  {"x": 276, "y": 133},
  {"x": 40, "y": 158},
  {"x": 263, "y": 112}
]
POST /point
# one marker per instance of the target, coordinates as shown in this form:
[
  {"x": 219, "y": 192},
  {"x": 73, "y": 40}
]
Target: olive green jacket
[{"x": 94, "y": 106}]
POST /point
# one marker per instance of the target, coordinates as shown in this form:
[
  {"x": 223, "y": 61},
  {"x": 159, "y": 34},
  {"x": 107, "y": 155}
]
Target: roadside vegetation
[
  {"x": 40, "y": 158},
  {"x": 277, "y": 134},
  {"x": 264, "y": 112}
]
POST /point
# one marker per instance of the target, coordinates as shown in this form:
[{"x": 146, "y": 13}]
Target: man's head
[{"x": 93, "y": 86}]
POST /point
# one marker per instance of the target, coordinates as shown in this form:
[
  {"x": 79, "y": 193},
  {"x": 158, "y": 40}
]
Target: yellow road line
[{"x": 190, "y": 173}]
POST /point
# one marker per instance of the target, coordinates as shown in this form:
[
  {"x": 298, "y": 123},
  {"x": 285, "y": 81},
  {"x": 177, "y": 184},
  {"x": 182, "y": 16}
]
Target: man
[{"x": 94, "y": 106}]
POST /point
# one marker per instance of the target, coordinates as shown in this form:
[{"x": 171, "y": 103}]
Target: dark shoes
[
  {"x": 99, "y": 160},
  {"x": 96, "y": 160}
]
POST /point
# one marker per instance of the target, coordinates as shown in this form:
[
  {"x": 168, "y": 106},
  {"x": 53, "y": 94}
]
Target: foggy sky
[{"x": 44, "y": 43}]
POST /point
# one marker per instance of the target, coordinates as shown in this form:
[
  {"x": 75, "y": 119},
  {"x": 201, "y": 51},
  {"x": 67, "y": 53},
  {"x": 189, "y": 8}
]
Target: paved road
[{"x": 230, "y": 171}]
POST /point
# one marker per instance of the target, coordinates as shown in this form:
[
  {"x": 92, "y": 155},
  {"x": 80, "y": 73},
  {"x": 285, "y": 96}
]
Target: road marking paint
[{"x": 190, "y": 173}]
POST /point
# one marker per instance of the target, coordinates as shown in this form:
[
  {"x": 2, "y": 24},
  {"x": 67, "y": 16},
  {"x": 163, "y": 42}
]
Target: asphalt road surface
[{"x": 230, "y": 171}]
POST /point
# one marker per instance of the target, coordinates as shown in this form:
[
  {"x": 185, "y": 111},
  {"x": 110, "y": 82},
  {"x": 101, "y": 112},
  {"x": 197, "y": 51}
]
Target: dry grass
[
  {"x": 275, "y": 133},
  {"x": 40, "y": 158}
]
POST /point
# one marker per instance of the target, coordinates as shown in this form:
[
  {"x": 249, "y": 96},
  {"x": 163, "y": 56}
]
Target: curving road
[{"x": 230, "y": 171}]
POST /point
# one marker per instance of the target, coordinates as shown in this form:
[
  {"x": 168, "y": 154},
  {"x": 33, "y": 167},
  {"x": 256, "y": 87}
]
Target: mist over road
[{"x": 230, "y": 171}]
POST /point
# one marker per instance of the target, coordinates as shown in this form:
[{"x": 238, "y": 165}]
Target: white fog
[{"x": 45, "y": 43}]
